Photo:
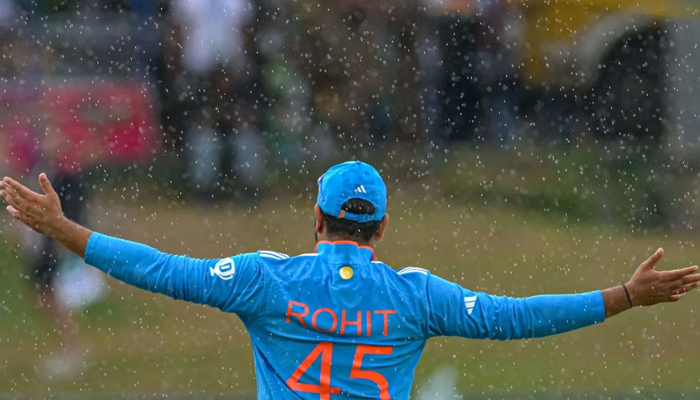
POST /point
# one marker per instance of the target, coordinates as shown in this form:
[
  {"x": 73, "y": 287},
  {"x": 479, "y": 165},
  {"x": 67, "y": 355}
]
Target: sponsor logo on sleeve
[
  {"x": 469, "y": 303},
  {"x": 224, "y": 269}
]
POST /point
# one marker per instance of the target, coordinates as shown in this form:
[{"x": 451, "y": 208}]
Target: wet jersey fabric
[{"x": 337, "y": 323}]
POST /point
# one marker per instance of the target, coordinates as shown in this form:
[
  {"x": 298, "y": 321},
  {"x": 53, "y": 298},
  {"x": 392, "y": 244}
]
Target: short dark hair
[{"x": 345, "y": 229}]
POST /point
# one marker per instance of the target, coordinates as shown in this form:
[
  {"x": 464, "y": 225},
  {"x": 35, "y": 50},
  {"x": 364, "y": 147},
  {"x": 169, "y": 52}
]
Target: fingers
[
  {"x": 677, "y": 274},
  {"x": 33, "y": 209},
  {"x": 46, "y": 185},
  {"x": 11, "y": 197},
  {"x": 689, "y": 279},
  {"x": 21, "y": 217},
  {"x": 685, "y": 288},
  {"x": 651, "y": 262},
  {"x": 8, "y": 197},
  {"x": 7, "y": 190},
  {"x": 677, "y": 297},
  {"x": 25, "y": 208},
  {"x": 13, "y": 211},
  {"x": 20, "y": 189},
  {"x": 679, "y": 292}
]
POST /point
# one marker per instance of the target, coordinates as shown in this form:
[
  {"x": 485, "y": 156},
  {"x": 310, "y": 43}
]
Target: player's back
[
  {"x": 337, "y": 324},
  {"x": 334, "y": 324}
]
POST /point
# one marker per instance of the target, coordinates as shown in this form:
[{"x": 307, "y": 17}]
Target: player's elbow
[
  {"x": 514, "y": 323},
  {"x": 511, "y": 332}
]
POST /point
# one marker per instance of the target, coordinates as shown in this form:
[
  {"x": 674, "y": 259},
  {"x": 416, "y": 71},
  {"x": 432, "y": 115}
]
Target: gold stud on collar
[{"x": 346, "y": 272}]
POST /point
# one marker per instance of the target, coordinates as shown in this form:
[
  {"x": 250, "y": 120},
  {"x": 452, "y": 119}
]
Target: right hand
[
  {"x": 40, "y": 212},
  {"x": 648, "y": 286}
]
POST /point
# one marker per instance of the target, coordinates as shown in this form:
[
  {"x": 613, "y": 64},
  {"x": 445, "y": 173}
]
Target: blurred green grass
[
  {"x": 631, "y": 184},
  {"x": 140, "y": 343}
]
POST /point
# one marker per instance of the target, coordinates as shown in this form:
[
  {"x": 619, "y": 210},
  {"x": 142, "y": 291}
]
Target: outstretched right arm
[{"x": 231, "y": 284}]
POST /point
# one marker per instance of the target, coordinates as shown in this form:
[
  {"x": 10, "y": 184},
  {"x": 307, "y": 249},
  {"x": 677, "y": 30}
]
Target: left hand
[
  {"x": 42, "y": 213},
  {"x": 649, "y": 286}
]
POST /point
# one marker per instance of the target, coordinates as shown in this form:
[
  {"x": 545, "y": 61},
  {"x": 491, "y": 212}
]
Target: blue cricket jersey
[{"x": 337, "y": 323}]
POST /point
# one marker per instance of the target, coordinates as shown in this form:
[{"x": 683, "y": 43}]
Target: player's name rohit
[{"x": 326, "y": 320}]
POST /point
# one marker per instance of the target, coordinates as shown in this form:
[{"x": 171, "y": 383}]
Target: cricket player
[{"x": 337, "y": 322}]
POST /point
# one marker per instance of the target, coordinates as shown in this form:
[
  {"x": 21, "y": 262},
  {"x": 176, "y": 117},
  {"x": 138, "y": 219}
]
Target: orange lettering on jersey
[
  {"x": 291, "y": 312},
  {"x": 329, "y": 311},
  {"x": 386, "y": 319},
  {"x": 369, "y": 323},
  {"x": 344, "y": 322}
]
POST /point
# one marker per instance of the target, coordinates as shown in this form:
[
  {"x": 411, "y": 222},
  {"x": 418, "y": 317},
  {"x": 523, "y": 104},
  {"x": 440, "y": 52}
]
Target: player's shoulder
[
  {"x": 258, "y": 258},
  {"x": 269, "y": 257},
  {"x": 406, "y": 273},
  {"x": 412, "y": 276},
  {"x": 272, "y": 255},
  {"x": 268, "y": 260},
  {"x": 422, "y": 277},
  {"x": 410, "y": 283},
  {"x": 413, "y": 272}
]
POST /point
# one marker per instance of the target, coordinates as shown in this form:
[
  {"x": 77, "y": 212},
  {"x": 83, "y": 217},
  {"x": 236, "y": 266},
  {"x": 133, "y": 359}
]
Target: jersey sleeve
[
  {"x": 233, "y": 284},
  {"x": 456, "y": 311}
]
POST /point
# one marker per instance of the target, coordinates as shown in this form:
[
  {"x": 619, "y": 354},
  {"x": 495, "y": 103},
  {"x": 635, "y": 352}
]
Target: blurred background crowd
[{"x": 232, "y": 85}]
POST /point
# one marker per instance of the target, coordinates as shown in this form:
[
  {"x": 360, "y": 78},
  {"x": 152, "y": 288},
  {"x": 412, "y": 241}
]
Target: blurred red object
[{"x": 71, "y": 125}]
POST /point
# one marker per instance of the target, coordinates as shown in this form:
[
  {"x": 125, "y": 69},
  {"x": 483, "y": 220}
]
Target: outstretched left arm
[{"x": 455, "y": 311}]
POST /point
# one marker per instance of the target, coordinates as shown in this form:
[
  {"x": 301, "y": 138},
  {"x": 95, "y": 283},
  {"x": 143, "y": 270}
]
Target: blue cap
[{"x": 352, "y": 180}]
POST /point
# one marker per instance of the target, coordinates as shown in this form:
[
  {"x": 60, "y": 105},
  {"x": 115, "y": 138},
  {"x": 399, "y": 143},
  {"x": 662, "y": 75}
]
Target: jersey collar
[{"x": 345, "y": 251}]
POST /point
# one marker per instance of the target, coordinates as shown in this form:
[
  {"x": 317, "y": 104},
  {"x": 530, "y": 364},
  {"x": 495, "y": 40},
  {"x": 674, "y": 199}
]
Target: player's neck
[{"x": 344, "y": 239}]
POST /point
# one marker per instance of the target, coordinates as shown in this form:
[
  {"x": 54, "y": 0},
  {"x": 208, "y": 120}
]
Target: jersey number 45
[{"x": 324, "y": 388}]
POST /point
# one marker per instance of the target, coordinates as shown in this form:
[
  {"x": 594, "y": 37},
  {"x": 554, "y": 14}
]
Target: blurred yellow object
[
  {"x": 610, "y": 60},
  {"x": 564, "y": 42}
]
